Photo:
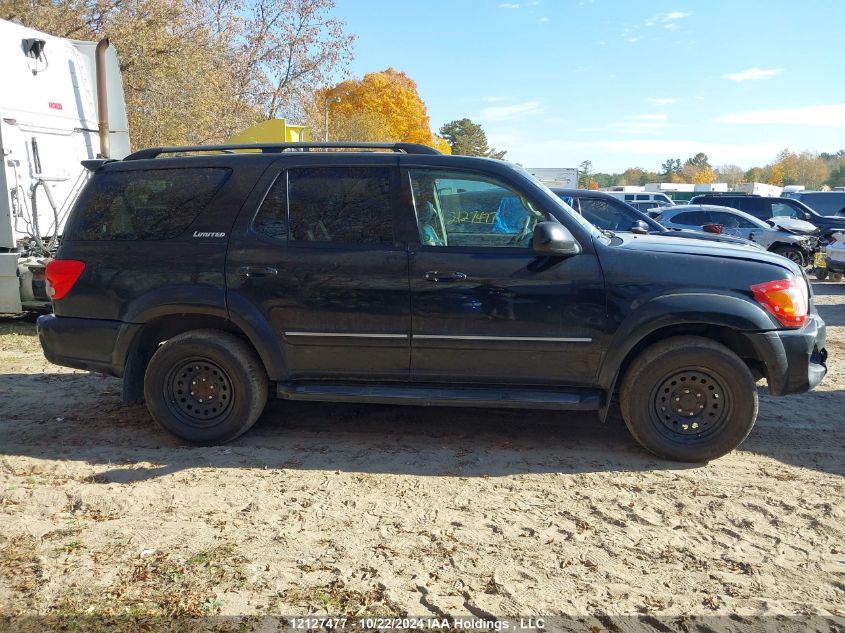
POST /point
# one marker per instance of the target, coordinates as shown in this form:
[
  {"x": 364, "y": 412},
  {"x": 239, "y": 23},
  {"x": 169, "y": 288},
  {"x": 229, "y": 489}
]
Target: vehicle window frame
[
  {"x": 75, "y": 219},
  {"x": 288, "y": 242},
  {"x": 470, "y": 174}
]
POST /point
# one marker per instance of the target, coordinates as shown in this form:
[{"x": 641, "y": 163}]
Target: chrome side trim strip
[
  {"x": 504, "y": 338},
  {"x": 347, "y": 335}
]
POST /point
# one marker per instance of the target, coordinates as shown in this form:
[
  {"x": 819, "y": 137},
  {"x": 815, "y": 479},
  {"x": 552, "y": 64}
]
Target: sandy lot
[{"x": 387, "y": 510}]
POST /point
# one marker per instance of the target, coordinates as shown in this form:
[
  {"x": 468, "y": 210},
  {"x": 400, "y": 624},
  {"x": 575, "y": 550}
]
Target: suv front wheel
[
  {"x": 205, "y": 386},
  {"x": 689, "y": 398}
]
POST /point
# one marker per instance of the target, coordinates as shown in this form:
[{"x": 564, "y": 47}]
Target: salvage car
[{"x": 774, "y": 236}]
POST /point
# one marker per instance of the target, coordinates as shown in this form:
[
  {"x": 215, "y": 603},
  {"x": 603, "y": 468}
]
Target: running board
[{"x": 433, "y": 395}]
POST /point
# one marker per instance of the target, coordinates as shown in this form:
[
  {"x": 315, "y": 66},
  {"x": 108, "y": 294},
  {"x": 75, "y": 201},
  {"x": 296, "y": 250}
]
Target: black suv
[
  {"x": 767, "y": 207},
  {"x": 210, "y": 278}
]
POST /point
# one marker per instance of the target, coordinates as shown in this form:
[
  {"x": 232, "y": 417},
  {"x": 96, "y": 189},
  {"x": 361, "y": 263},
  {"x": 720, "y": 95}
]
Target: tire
[
  {"x": 791, "y": 253},
  {"x": 225, "y": 376},
  {"x": 716, "y": 416},
  {"x": 820, "y": 273}
]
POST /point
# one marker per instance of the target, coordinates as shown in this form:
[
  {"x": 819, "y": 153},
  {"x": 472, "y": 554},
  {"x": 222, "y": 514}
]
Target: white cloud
[
  {"x": 632, "y": 40},
  {"x": 650, "y": 117},
  {"x": 817, "y": 116},
  {"x": 495, "y": 99},
  {"x": 505, "y": 113},
  {"x": 667, "y": 20},
  {"x": 662, "y": 101},
  {"x": 509, "y": 5},
  {"x": 544, "y": 19},
  {"x": 752, "y": 74}
]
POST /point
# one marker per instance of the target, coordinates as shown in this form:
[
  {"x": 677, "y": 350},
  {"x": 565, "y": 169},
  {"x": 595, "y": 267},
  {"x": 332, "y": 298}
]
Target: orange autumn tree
[{"x": 382, "y": 106}]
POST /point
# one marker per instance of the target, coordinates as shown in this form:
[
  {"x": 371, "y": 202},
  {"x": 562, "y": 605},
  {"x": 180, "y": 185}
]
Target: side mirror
[
  {"x": 551, "y": 238},
  {"x": 640, "y": 228},
  {"x": 806, "y": 216}
]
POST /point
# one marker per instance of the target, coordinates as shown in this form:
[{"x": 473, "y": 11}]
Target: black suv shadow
[{"x": 80, "y": 417}]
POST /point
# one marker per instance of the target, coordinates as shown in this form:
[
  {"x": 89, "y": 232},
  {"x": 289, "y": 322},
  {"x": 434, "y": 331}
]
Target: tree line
[{"x": 788, "y": 168}]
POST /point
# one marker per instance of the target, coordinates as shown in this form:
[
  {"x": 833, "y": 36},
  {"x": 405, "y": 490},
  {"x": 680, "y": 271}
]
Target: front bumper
[
  {"x": 794, "y": 360},
  {"x": 93, "y": 344}
]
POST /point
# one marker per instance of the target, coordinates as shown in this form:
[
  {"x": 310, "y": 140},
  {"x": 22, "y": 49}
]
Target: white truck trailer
[
  {"x": 564, "y": 177},
  {"x": 61, "y": 102}
]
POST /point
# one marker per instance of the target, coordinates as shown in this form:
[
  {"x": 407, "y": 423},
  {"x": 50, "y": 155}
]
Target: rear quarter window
[{"x": 144, "y": 204}]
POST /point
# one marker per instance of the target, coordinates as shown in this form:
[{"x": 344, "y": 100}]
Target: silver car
[{"x": 792, "y": 244}]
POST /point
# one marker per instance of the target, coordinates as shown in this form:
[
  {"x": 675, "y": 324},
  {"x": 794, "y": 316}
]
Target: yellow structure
[{"x": 272, "y": 131}]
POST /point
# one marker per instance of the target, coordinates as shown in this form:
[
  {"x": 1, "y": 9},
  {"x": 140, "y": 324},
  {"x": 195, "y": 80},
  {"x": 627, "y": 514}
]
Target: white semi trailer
[{"x": 61, "y": 102}]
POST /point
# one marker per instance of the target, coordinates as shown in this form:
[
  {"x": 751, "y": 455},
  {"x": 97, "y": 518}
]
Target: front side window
[
  {"x": 459, "y": 209},
  {"x": 730, "y": 221},
  {"x": 143, "y": 204},
  {"x": 604, "y": 215},
  {"x": 781, "y": 209},
  {"x": 346, "y": 205}
]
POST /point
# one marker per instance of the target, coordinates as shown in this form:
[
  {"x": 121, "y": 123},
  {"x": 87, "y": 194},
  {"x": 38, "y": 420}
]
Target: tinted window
[
  {"x": 606, "y": 215},
  {"x": 824, "y": 203},
  {"x": 146, "y": 204},
  {"x": 690, "y": 218},
  {"x": 272, "y": 218},
  {"x": 757, "y": 207},
  {"x": 459, "y": 209},
  {"x": 349, "y": 205}
]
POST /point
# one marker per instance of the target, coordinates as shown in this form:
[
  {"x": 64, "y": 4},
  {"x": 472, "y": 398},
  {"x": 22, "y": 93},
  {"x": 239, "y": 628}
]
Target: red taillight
[
  {"x": 787, "y": 299},
  {"x": 61, "y": 275}
]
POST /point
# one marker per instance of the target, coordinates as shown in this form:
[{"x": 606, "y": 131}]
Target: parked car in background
[
  {"x": 822, "y": 202},
  {"x": 797, "y": 247},
  {"x": 767, "y": 207},
  {"x": 648, "y": 205},
  {"x": 834, "y": 258},
  {"x": 641, "y": 196},
  {"x": 611, "y": 214}
]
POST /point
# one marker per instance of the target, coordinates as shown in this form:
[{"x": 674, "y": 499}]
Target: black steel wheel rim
[
  {"x": 199, "y": 392},
  {"x": 690, "y": 405}
]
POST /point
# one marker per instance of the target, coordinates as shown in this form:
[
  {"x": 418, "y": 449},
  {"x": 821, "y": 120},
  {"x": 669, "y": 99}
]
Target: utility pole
[{"x": 326, "y": 112}]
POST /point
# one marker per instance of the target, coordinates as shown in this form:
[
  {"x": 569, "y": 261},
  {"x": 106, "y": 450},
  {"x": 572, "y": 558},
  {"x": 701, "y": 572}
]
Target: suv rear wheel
[
  {"x": 205, "y": 386},
  {"x": 689, "y": 398}
]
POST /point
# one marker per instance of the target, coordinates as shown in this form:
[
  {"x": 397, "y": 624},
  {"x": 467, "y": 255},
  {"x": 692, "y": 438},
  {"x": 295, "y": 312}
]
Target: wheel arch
[
  {"x": 154, "y": 332},
  {"x": 722, "y": 318}
]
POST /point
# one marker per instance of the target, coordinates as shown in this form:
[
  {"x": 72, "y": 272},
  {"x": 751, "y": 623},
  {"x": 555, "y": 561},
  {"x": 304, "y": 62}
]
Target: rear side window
[
  {"x": 346, "y": 205},
  {"x": 145, "y": 204}
]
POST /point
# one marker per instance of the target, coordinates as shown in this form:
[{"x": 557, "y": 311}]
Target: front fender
[{"x": 680, "y": 308}]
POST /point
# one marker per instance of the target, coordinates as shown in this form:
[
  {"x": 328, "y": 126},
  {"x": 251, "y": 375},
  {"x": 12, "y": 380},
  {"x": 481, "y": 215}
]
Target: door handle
[
  {"x": 257, "y": 271},
  {"x": 433, "y": 275}
]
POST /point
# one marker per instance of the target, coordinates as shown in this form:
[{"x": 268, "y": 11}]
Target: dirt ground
[{"x": 346, "y": 509}]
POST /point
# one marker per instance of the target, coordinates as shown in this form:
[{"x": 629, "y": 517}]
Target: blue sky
[{"x": 619, "y": 83}]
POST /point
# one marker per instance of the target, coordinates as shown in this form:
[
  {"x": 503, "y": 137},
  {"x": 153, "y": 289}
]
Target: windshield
[{"x": 561, "y": 205}]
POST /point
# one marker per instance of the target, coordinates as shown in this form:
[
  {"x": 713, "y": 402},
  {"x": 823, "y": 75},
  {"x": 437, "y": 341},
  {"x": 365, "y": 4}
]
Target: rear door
[
  {"x": 485, "y": 309},
  {"x": 315, "y": 255}
]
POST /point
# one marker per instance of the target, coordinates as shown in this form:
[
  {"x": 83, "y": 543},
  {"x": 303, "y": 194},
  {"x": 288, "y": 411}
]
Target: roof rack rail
[{"x": 276, "y": 148}]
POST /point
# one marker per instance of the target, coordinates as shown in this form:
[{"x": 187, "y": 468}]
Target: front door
[
  {"x": 485, "y": 309},
  {"x": 320, "y": 263}
]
